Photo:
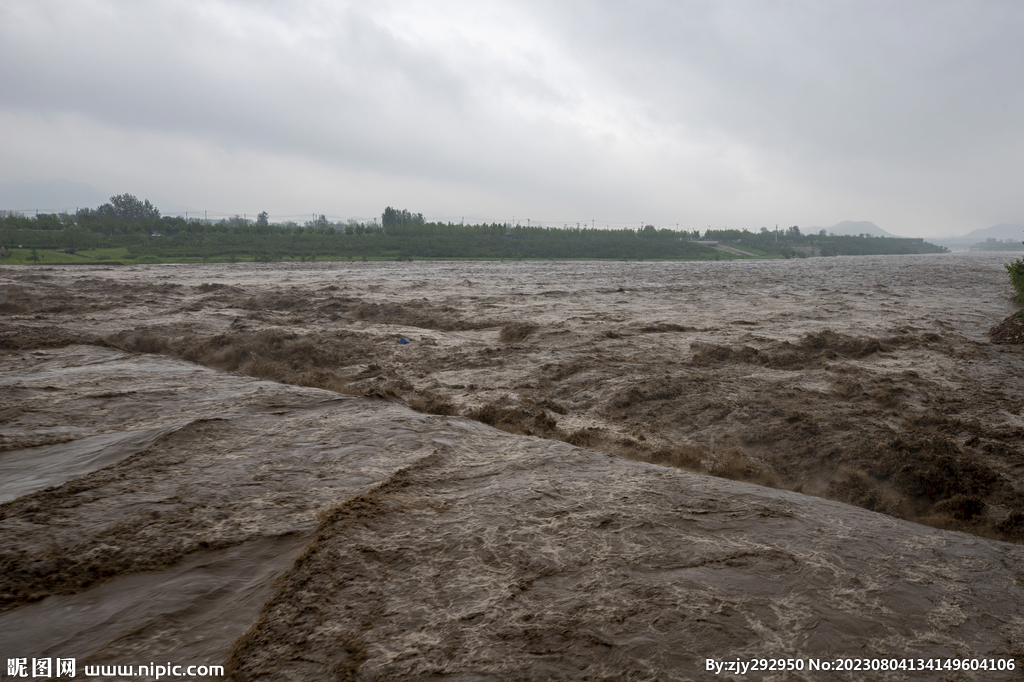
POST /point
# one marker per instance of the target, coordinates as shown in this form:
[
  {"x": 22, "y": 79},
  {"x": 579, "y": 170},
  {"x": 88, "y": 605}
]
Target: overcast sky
[{"x": 739, "y": 114}]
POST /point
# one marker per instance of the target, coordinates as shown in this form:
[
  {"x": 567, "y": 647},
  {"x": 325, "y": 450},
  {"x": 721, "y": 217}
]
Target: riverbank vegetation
[
  {"x": 1016, "y": 270},
  {"x": 128, "y": 230}
]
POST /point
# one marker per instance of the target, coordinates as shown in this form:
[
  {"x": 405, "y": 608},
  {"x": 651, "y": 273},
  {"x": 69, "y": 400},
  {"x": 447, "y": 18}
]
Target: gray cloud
[{"x": 744, "y": 114}]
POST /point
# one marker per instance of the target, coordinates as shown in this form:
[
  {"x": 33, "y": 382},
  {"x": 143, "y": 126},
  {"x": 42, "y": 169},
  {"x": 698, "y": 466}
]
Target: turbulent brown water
[{"x": 149, "y": 502}]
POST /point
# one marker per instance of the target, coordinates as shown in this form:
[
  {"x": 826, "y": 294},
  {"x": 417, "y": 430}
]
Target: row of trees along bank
[{"x": 129, "y": 223}]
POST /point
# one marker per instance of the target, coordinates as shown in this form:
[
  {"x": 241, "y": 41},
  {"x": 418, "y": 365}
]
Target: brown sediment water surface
[{"x": 242, "y": 464}]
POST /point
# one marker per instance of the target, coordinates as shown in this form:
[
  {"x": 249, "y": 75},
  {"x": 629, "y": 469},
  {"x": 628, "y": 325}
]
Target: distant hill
[
  {"x": 1000, "y": 232},
  {"x": 852, "y": 227},
  {"x": 52, "y": 196}
]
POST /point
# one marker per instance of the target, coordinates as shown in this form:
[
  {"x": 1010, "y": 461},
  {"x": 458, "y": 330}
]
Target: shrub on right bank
[{"x": 1016, "y": 270}]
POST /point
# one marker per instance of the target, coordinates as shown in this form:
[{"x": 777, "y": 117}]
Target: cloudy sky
[{"x": 740, "y": 114}]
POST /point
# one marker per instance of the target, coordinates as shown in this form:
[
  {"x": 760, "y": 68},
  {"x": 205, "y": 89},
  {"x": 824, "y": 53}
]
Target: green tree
[
  {"x": 1016, "y": 270},
  {"x": 129, "y": 208},
  {"x": 48, "y": 221},
  {"x": 263, "y": 219},
  {"x": 394, "y": 221},
  {"x": 34, "y": 256}
]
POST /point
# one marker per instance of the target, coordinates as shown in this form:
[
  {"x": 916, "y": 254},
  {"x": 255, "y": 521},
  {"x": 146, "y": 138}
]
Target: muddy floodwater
[{"x": 568, "y": 470}]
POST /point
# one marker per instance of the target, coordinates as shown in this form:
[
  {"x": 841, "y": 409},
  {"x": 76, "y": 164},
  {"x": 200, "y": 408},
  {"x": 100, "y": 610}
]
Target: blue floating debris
[{"x": 404, "y": 340}]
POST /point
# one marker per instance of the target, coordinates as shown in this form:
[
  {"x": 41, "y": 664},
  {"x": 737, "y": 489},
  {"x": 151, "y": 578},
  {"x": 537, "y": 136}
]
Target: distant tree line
[
  {"x": 128, "y": 222},
  {"x": 791, "y": 242},
  {"x": 992, "y": 244}
]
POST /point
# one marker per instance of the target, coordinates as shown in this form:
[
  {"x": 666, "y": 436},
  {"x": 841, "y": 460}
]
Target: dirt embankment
[
  {"x": 1010, "y": 330},
  {"x": 881, "y": 393}
]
